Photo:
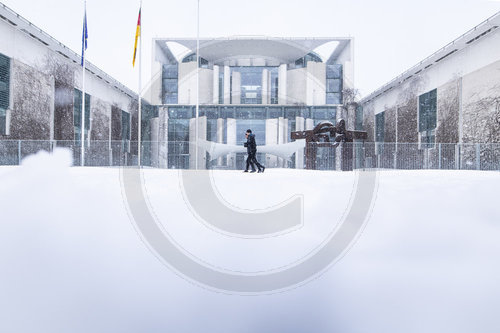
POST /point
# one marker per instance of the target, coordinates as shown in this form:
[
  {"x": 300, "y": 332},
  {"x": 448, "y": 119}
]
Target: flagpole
[
  {"x": 197, "y": 84},
  {"x": 139, "y": 120},
  {"x": 82, "y": 149}
]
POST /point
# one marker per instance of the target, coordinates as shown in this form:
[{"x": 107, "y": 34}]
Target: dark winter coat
[{"x": 251, "y": 144}]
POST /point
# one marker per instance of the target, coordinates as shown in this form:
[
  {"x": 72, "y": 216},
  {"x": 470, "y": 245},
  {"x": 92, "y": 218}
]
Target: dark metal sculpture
[{"x": 320, "y": 136}]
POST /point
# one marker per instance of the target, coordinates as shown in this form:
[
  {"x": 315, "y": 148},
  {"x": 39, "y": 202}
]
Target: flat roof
[
  {"x": 479, "y": 31},
  {"x": 285, "y": 50},
  {"x": 25, "y": 26}
]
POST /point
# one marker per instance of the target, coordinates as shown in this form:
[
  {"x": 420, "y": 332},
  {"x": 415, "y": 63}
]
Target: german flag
[{"x": 137, "y": 34}]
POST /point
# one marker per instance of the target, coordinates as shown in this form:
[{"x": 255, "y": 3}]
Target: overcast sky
[{"x": 390, "y": 36}]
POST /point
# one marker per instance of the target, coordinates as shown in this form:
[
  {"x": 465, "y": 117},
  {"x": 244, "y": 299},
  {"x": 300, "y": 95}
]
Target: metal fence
[
  {"x": 410, "y": 156},
  {"x": 347, "y": 156}
]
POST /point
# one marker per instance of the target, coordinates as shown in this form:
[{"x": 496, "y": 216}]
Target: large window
[
  {"x": 274, "y": 84},
  {"x": 125, "y": 130},
  {"x": 257, "y": 126},
  {"x": 427, "y": 116},
  {"x": 334, "y": 84},
  {"x": 178, "y": 143},
  {"x": 192, "y": 58},
  {"x": 379, "y": 132},
  {"x": 320, "y": 114},
  {"x": 247, "y": 116},
  {"x": 212, "y": 130},
  {"x": 221, "y": 86},
  {"x": 4, "y": 91},
  {"x": 170, "y": 83},
  {"x": 251, "y": 84},
  {"x": 358, "y": 122},
  {"x": 379, "y": 126},
  {"x": 77, "y": 114},
  {"x": 302, "y": 62},
  {"x": 254, "y": 112}
]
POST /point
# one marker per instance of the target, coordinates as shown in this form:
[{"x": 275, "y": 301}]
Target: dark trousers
[{"x": 252, "y": 161}]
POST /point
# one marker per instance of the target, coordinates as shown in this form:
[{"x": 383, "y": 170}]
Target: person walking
[{"x": 251, "y": 146}]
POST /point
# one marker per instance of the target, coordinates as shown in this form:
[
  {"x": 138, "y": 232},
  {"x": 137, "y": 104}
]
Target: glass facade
[
  {"x": 258, "y": 127},
  {"x": 125, "y": 130},
  {"x": 221, "y": 85},
  {"x": 170, "y": 92},
  {"x": 254, "y": 112},
  {"x": 251, "y": 83},
  {"x": 192, "y": 58},
  {"x": 427, "y": 118},
  {"x": 302, "y": 62},
  {"x": 274, "y": 85},
  {"x": 148, "y": 112},
  {"x": 379, "y": 132},
  {"x": 358, "y": 121},
  {"x": 178, "y": 136},
  {"x": 379, "y": 126},
  {"x": 77, "y": 114},
  {"x": 4, "y": 91},
  {"x": 334, "y": 84},
  {"x": 247, "y": 117},
  {"x": 212, "y": 130}
]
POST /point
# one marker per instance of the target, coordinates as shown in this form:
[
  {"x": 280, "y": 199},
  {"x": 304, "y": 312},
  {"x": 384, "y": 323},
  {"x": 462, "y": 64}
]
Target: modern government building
[{"x": 272, "y": 85}]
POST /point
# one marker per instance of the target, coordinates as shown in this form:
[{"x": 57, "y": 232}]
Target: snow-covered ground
[{"x": 72, "y": 260}]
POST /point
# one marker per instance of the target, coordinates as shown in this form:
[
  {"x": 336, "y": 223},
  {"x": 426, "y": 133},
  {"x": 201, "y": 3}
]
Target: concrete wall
[
  {"x": 31, "y": 115},
  {"x": 307, "y": 85},
  {"x": 42, "y": 82},
  {"x": 480, "y": 102},
  {"x": 468, "y": 95},
  {"x": 316, "y": 83},
  {"x": 296, "y": 86},
  {"x": 271, "y": 139},
  {"x": 100, "y": 119},
  {"x": 346, "y": 58},
  {"x": 448, "y": 105},
  {"x": 202, "y": 135},
  {"x": 187, "y": 84}
]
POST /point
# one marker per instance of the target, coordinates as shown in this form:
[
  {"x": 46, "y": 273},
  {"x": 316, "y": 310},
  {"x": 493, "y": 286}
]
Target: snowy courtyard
[{"x": 72, "y": 259}]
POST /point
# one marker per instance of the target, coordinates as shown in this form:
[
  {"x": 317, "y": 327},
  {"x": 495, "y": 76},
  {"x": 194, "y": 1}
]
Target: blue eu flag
[{"x": 85, "y": 34}]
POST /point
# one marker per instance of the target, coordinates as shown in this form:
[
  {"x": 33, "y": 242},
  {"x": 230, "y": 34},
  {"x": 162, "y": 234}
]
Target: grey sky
[{"x": 390, "y": 36}]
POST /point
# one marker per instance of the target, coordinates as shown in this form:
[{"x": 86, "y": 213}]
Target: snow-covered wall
[
  {"x": 43, "y": 75},
  {"x": 32, "y": 112},
  {"x": 468, "y": 96}
]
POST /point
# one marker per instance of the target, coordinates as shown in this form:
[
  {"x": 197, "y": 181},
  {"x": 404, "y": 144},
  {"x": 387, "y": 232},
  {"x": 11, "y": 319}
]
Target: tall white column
[
  {"x": 265, "y": 86},
  {"x": 310, "y": 84},
  {"x": 154, "y": 125},
  {"x": 220, "y": 137},
  {"x": 282, "y": 137},
  {"x": 269, "y": 86},
  {"x": 162, "y": 138},
  {"x": 299, "y": 155},
  {"x": 236, "y": 85},
  {"x": 202, "y": 135},
  {"x": 227, "y": 85},
  {"x": 231, "y": 140},
  {"x": 282, "y": 91},
  {"x": 309, "y": 124},
  {"x": 215, "y": 95},
  {"x": 192, "y": 143},
  {"x": 271, "y": 139}
]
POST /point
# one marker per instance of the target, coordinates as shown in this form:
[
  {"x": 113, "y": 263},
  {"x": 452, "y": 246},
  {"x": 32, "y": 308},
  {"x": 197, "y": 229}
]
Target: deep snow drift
[{"x": 71, "y": 259}]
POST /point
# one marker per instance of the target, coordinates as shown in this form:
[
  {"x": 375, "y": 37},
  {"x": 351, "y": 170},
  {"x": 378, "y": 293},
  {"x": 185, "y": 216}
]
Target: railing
[
  {"x": 347, "y": 156},
  {"x": 409, "y": 156},
  {"x": 97, "y": 153}
]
